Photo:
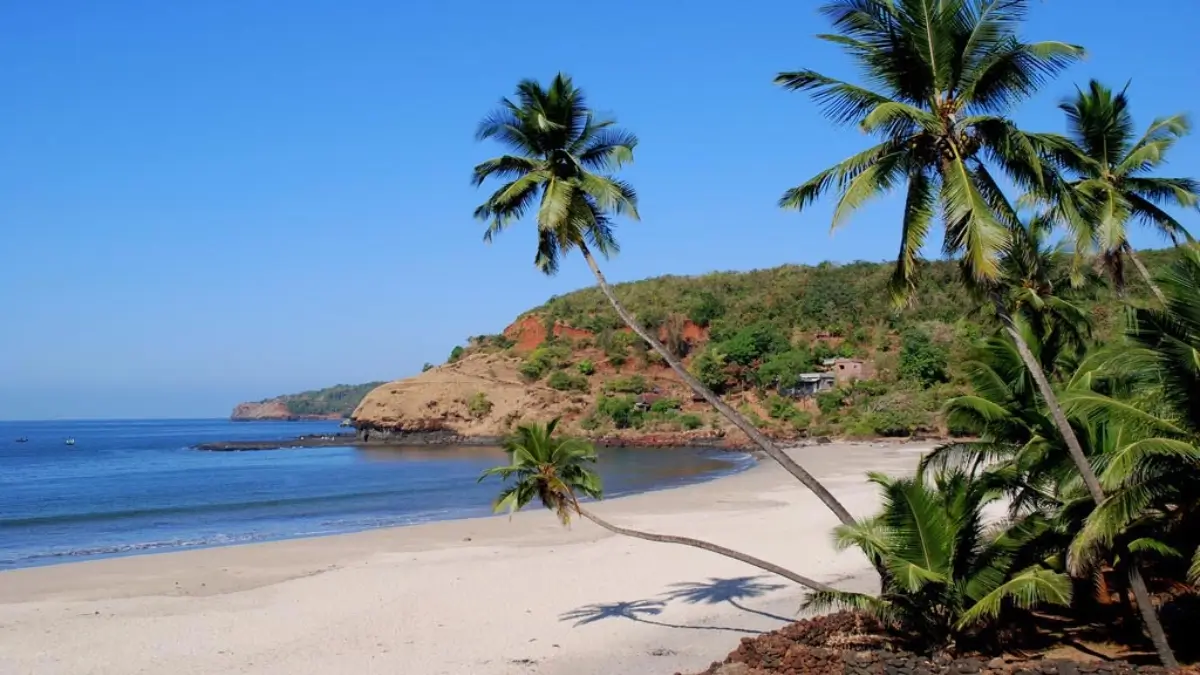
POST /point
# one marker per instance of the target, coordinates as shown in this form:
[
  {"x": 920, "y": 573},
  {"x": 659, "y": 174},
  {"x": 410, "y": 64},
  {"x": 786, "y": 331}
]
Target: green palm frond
[
  {"x": 561, "y": 157},
  {"x": 1117, "y": 467},
  {"x": 1026, "y": 589},
  {"x": 1194, "y": 570},
  {"x": 547, "y": 467},
  {"x": 827, "y": 601}
]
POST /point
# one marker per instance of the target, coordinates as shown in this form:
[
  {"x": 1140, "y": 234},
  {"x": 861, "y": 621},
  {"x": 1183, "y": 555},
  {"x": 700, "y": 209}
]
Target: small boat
[
  {"x": 70, "y": 441},
  {"x": 22, "y": 440}
]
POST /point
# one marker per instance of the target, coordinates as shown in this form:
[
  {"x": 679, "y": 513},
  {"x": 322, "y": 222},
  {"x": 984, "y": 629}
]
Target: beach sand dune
[{"x": 484, "y": 596}]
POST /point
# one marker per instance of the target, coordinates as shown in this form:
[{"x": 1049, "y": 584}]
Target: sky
[{"x": 203, "y": 203}]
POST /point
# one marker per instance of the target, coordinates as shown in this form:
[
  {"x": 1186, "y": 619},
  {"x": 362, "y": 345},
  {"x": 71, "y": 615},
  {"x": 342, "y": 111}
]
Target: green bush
[
  {"x": 427, "y": 367},
  {"x": 531, "y": 370},
  {"x": 705, "y": 309},
  {"x": 616, "y": 360},
  {"x": 800, "y": 420},
  {"x": 478, "y": 405},
  {"x": 755, "y": 342},
  {"x": 455, "y": 354},
  {"x": 784, "y": 369},
  {"x": 586, "y": 367},
  {"x": 589, "y": 423},
  {"x": 634, "y": 384},
  {"x": 690, "y": 421},
  {"x": 622, "y": 410},
  {"x": 829, "y": 402},
  {"x": 921, "y": 360},
  {"x": 542, "y": 360},
  {"x": 663, "y": 405},
  {"x": 710, "y": 368},
  {"x": 564, "y": 381}
]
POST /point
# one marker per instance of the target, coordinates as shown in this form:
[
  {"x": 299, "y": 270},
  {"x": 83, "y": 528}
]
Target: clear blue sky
[{"x": 208, "y": 202}]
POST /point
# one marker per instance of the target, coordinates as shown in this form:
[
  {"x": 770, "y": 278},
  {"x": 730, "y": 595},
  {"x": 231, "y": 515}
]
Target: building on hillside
[
  {"x": 646, "y": 401},
  {"x": 810, "y": 384},
  {"x": 848, "y": 370}
]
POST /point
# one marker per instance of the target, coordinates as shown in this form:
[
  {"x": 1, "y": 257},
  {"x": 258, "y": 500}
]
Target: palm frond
[
  {"x": 1026, "y": 589},
  {"x": 841, "y": 101}
]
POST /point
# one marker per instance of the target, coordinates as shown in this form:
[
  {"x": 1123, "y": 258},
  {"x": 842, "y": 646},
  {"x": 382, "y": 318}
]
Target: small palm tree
[
  {"x": 947, "y": 575},
  {"x": 1111, "y": 182},
  {"x": 561, "y": 161},
  {"x": 556, "y": 470}
]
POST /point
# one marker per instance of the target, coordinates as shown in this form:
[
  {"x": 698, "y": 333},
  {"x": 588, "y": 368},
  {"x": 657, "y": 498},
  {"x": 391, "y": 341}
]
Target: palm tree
[
  {"x": 946, "y": 575},
  {"x": 554, "y": 469},
  {"x": 563, "y": 155},
  {"x": 1151, "y": 474},
  {"x": 1110, "y": 177},
  {"x": 944, "y": 71}
]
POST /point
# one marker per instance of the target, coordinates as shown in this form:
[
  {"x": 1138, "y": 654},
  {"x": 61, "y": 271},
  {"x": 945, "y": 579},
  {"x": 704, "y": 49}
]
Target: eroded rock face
[{"x": 481, "y": 395}]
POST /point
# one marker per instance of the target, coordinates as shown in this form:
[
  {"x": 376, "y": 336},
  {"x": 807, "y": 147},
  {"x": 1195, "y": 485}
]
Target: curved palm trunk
[
  {"x": 1137, "y": 262},
  {"x": 730, "y": 414},
  {"x": 707, "y": 546},
  {"x": 1140, "y": 593}
]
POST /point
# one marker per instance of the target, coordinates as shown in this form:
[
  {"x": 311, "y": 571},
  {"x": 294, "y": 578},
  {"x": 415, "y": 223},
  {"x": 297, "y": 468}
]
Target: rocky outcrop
[
  {"x": 481, "y": 395},
  {"x": 273, "y": 409}
]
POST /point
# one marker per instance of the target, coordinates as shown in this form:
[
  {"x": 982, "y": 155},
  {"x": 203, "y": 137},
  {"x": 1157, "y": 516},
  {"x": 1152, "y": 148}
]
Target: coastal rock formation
[
  {"x": 481, "y": 395},
  {"x": 272, "y": 409}
]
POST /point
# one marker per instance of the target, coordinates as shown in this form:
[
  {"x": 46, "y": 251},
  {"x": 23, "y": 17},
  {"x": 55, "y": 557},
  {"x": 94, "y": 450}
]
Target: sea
[{"x": 128, "y": 487}]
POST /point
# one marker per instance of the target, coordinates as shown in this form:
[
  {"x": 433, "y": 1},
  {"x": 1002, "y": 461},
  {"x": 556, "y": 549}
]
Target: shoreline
[
  {"x": 733, "y": 465},
  {"x": 488, "y": 595}
]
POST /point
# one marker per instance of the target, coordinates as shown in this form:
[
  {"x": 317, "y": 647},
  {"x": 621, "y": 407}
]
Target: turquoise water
[{"x": 129, "y": 487}]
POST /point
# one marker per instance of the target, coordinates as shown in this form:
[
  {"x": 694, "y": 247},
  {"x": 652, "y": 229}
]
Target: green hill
[
  {"x": 340, "y": 400},
  {"x": 759, "y": 330}
]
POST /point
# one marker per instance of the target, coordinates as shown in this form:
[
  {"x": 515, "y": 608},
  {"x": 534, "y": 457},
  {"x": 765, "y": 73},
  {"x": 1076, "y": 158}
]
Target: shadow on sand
[{"x": 732, "y": 591}]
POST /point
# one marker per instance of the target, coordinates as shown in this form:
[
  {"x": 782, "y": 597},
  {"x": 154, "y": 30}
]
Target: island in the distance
[{"x": 330, "y": 403}]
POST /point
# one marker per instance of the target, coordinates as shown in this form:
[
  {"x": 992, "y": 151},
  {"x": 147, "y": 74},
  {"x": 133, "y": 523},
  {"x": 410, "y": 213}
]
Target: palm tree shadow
[
  {"x": 715, "y": 591},
  {"x": 634, "y": 610}
]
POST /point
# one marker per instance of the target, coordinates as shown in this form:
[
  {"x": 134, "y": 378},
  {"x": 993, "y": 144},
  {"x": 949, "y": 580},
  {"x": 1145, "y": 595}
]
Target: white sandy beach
[{"x": 484, "y": 596}]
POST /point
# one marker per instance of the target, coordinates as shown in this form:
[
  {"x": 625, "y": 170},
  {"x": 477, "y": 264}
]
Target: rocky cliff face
[
  {"x": 273, "y": 409},
  {"x": 482, "y": 395}
]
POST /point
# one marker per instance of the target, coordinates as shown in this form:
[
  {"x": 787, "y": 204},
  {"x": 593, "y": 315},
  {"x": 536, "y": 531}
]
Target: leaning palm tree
[
  {"x": 944, "y": 72},
  {"x": 1112, "y": 181},
  {"x": 562, "y": 161},
  {"x": 555, "y": 470}
]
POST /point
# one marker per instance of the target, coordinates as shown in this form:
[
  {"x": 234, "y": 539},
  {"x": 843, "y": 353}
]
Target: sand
[{"x": 483, "y": 596}]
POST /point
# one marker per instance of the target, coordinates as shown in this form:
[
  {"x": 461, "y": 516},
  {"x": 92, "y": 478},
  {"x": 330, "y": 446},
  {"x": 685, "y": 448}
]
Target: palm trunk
[
  {"x": 706, "y": 546},
  {"x": 730, "y": 414},
  {"x": 1140, "y": 593},
  {"x": 1137, "y": 262}
]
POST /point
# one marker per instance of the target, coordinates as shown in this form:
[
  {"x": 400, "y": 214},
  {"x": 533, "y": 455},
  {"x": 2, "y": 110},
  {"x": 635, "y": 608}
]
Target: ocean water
[{"x": 129, "y": 486}]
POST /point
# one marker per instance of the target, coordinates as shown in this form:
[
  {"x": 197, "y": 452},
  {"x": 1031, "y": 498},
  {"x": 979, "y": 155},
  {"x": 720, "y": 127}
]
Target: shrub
[
  {"x": 586, "y": 367},
  {"x": 709, "y": 368},
  {"x": 589, "y": 423},
  {"x": 564, "y": 381},
  {"x": 706, "y": 309},
  {"x": 478, "y": 405},
  {"x": 455, "y": 354},
  {"x": 544, "y": 359},
  {"x": 784, "y": 369},
  {"x": 427, "y": 367},
  {"x": 690, "y": 421},
  {"x": 800, "y": 420},
  {"x": 754, "y": 342},
  {"x": 921, "y": 360},
  {"x": 616, "y": 360},
  {"x": 622, "y": 410},
  {"x": 829, "y": 402},
  {"x": 663, "y": 405},
  {"x": 531, "y": 370},
  {"x": 634, "y": 384}
]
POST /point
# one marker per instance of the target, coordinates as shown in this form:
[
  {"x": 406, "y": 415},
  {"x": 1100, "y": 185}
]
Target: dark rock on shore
[{"x": 849, "y": 644}]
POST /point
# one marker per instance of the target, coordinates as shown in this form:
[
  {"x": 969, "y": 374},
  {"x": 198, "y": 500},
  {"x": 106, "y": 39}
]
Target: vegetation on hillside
[{"x": 340, "y": 399}]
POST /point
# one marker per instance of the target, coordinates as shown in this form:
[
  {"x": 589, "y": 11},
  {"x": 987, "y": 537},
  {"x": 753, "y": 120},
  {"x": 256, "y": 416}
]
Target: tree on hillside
[
  {"x": 945, "y": 72},
  {"x": 555, "y": 470},
  {"x": 563, "y": 159},
  {"x": 1110, "y": 177}
]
